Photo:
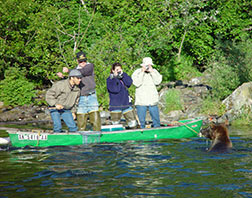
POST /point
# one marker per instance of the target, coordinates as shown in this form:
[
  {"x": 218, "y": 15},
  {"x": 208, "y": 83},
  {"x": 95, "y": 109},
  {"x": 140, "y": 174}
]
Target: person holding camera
[
  {"x": 146, "y": 97},
  {"x": 118, "y": 83}
]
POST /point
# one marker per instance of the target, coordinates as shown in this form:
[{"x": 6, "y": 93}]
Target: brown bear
[{"x": 219, "y": 135}]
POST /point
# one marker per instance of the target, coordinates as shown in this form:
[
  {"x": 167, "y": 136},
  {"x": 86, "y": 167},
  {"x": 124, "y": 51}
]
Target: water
[{"x": 168, "y": 168}]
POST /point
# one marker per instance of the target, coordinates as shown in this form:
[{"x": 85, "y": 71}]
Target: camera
[
  {"x": 119, "y": 75},
  {"x": 147, "y": 69}
]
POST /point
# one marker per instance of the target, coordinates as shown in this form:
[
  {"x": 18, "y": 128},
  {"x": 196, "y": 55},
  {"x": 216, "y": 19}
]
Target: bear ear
[
  {"x": 212, "y": 121},
  {"x": 226, "y": 122}
]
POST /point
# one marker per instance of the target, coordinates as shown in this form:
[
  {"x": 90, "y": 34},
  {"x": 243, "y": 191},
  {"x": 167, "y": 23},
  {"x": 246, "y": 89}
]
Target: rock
[
  {"x": 1, "y": 104},
  {"x": 174, "y": 115},
  {"x": 191, "y": 96},
  {"x": 194, "y": 81},
  {"x": 238, "y": 102},
  {"x": 24, "y": 113}
]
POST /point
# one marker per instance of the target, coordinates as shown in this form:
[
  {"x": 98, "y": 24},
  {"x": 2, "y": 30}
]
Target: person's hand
[
  {"x": 150, "y": 68},
  {"x": 59, "y": 74},
  {"x": 111, "y": 76},
  {"x": 118, "y": 71},
  {"x": 59, "y": 106},
  {"x": 147, "y": 68},
  {"x": 74, "y": 115},
  {"x": 65, "y": 70}
]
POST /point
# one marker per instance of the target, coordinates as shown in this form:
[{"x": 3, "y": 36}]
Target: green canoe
[{"x": 108, "y": 134}]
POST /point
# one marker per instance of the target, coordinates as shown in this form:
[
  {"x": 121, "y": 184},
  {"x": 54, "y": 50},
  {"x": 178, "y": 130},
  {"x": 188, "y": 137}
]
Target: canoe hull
[{"x": 186, "y": 129}]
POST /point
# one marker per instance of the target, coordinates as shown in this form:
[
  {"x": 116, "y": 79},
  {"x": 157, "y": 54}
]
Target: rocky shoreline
[{"x": 192, "y": 94}]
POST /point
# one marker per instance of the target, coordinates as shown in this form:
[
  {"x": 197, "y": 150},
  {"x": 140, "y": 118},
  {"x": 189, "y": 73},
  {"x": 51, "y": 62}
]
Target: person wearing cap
[
  {"x": 146, "y": 79},
  {"x": 88, "y": 105},
  {"x": 62, "y": 99},
  {"x": 118, "y": 83}
]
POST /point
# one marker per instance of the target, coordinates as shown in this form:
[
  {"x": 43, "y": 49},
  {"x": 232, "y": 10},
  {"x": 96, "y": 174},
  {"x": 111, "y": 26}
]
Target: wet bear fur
[{"x": 218, "y": 133}]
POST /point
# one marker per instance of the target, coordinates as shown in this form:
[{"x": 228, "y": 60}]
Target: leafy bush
[
  {"x": 184, "y": 69},
  {"x": 173, "y": 101},
  {"x": 16, "y": 89},
  {"x": 43, "y": 37},
  {"x": 224, "y": 81},
  {"x": 211, "y": 106},
  {"x": 244, "y": 50},
  {"x": 230, "y": 67}
]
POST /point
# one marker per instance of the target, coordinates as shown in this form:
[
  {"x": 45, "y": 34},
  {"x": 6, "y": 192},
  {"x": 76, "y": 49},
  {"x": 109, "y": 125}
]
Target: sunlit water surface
[{"x": 168, "y": 168}]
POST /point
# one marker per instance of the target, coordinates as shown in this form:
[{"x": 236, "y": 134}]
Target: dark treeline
[{"x": 184, "y": 38}]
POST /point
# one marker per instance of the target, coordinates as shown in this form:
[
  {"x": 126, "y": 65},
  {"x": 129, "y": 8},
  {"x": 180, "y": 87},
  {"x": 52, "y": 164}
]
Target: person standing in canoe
[
  {"x": 88, "y": 105},
  {"x": 63, "y": 98},
  {"x": 118, "y": 83},
  {"x": 146, "y": 97}
]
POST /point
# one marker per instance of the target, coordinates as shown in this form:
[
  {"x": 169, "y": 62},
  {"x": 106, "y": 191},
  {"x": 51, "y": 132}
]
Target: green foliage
[
  {"x": 230, "y": 67},
  {"x": 225, "y": 79},
  {"x": 173, "y": 101},
  {"x": 212, "y": 106},
  {"x": 244, "y": 56},
  {"x": 15, "y": 89},
  {"x": 43, "y": 36},
  {"x": 184, "y": 68}
]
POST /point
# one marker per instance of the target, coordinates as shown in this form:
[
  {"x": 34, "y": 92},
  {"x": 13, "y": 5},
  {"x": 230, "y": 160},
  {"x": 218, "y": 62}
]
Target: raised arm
[
  {"x": 137, "y": 77},
  {"x": 156, "y": 76},
  {"x": 127, "y": 80},
  {"x": 88, "y": 70}
]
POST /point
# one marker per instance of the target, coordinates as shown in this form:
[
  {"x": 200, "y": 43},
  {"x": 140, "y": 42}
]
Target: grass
[
  {"x": 173, "y": 101},
  {"x": 245, "y": 117},
  {"x": 211, "y": 106}
]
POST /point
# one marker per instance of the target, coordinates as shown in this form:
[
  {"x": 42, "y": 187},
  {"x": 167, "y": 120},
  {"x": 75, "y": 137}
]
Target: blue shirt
[{"x": 118, "y": 92}]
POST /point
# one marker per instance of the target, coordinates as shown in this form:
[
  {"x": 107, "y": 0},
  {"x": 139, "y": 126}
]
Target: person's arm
[
  {"x": 127, "y": 80},
  {"x": 137, "y": 77},
  {"x": 156, "y": 76},
  {"x": 61, "y": 75},
  {"x": 88, "y": 70},
  {"x": 74, "y": 108},
  {"x": 52, "y": 95}
]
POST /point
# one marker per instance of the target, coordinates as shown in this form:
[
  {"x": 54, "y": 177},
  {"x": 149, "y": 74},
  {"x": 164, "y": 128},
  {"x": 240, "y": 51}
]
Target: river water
[{"x": 167, "y": 168}]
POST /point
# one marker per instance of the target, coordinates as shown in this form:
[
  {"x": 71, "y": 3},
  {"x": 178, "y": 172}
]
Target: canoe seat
[{"x": 116, "y": 127}]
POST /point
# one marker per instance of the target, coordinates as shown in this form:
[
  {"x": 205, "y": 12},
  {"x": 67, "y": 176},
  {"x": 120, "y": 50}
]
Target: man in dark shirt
[{"x": 88, "y": 104}]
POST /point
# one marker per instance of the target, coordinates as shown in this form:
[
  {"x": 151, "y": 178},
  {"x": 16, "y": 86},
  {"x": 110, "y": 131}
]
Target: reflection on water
[{"x": 167, "y": 168}]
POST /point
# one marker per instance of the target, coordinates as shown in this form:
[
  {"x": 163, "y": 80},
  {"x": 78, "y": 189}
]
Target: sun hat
[
  {"x": 147, "y": 61},
  {"x": 75, "y": 73}
]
